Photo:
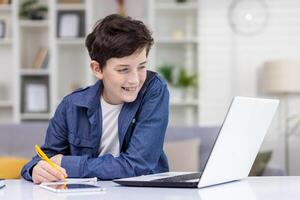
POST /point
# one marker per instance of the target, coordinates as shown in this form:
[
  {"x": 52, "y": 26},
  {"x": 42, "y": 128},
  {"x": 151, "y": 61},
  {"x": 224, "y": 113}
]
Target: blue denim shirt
[{"x": 76, "y": 128}]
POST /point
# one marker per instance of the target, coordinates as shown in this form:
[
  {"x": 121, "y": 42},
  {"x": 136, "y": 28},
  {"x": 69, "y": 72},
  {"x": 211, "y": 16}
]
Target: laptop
[{"x": 233, "y": 153}]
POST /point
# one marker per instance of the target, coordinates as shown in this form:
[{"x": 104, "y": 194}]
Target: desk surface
[{"x": 254, "y": 188}]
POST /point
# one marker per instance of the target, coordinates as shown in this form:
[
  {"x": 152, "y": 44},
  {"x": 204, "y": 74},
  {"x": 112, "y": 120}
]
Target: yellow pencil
[{"x": 43, "y": 156}]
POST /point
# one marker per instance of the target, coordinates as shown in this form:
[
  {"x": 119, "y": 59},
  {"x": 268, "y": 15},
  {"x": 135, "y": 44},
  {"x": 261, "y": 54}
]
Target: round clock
[{"x": 248, "y": 17}]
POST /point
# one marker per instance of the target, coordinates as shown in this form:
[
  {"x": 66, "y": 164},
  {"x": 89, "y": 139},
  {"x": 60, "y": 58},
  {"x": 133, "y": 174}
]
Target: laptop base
[{"x": 158, "y": 184}]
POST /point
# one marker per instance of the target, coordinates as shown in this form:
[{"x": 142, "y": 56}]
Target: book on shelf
[
  {"x": 41, "y": 59},
  {"x": 46, "y": 61}
]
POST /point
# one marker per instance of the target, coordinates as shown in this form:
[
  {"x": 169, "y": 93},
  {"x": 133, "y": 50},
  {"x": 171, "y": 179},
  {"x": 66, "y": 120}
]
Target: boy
[{"x": 115, "y": 128}]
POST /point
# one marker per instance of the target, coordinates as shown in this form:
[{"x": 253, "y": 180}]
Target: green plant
[
  {"x": 167, "y": 73},
  {"x": 186, "y": 80},
  {"x": 30, "y": 9}
]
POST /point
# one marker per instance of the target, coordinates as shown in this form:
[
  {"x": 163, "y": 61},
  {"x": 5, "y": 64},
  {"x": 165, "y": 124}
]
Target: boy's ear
[{"x": 95, "y": 67}]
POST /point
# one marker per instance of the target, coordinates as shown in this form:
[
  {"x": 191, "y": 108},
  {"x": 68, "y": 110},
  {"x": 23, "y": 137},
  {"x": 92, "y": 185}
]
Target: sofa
[
  {"x": 19, "y": 140},
  {"x": 207, "y": 137}
]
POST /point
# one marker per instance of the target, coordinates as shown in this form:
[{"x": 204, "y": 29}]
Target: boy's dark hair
[{"x": 116, "y": 36}]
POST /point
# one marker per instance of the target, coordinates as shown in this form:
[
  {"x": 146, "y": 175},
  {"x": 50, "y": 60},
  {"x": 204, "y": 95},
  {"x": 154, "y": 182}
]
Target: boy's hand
[
  {"x": 57, "y": 159},
  {"x": 43, "y": 172}
]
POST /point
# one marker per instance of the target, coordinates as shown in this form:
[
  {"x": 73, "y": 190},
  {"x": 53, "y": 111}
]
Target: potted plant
[
  {"x": 31, "y": 9},
  {"x": 186, "y": 82},
  {"x": 180, "y": 82},
  {"x": 166, "y": 71}
]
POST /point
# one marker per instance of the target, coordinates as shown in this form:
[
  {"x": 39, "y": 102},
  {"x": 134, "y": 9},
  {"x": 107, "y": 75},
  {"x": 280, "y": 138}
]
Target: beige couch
[{"x": 187, "y": 148}]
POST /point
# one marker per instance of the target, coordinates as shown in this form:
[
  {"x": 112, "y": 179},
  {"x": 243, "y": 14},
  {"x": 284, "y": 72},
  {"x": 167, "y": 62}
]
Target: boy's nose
[{"x": 134, "y": 78}]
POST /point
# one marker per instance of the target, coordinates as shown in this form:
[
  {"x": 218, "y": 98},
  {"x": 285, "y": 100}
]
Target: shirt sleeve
[
  {"x": 55, "y": 141},
  {"x": 145, "y": 147}
]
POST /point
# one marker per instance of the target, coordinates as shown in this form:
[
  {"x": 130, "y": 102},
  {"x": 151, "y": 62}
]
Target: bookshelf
[
  {"x": 71, "y": 69},
  {"x": 71, "y": 6},
  {"x": 169, "y": 6},
  {"x": 32, "y": 88},
  {"x": 34, "y": 24},
  {"x": 177, "y": 44},
  {"x": 77, "y": 41},
  {"x": 7, "y": 75},
  {"x": 5, "y": 7},
  {"x": 34, "y": 72},
  {"x": 174, "y": 26},
  {"x": 5, "y": 41}
]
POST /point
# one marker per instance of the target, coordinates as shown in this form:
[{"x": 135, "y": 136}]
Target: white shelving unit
[
  {"x": 71, "y": 61},
  {"x": 30, "y": 37},
  {"x": 6, "y": 104},
  {"x": 176, "y": 43},
  {"x": 71, "y": 6},
  {"x": 7, "y": 69},
  {"x": 5, "y": 8},
  {"x": 5, "y": 41},
  {"x": 34, "y": 72},
  {"x": 77, "y": 41},
  {"x": 170, "y": 5},
  {"x": 32, "y": 23},
  {"x": 169, "y": 40},
  {"x": 68, "y": 64}
]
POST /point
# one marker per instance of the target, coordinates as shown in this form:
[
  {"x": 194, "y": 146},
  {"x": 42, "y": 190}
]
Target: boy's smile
[
  {"x": 123, "y": 77},
  {"x": 130, "y": 88}
]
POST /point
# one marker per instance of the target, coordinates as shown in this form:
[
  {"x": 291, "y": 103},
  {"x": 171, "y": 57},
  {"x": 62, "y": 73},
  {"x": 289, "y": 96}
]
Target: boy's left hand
[{"x": 57, "y": 159}]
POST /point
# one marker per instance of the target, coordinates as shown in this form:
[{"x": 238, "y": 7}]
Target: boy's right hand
[{"x": 43, "y": 172}]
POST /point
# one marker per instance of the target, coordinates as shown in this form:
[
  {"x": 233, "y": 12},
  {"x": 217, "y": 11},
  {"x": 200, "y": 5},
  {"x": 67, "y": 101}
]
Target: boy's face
[{"x": 123, "y": 77}]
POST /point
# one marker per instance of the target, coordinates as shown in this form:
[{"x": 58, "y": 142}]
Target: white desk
[{"x": 254, "y": 188}]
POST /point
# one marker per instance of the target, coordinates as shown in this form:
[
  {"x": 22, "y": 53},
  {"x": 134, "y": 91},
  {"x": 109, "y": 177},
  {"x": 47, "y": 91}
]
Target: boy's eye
[
  {"x": 142, "y": 67},
  {"x": 123, "y": 70}
]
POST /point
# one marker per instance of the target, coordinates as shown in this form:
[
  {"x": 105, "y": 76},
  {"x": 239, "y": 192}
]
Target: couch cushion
[
  {"x": 207, "y": 136},
  {"x": 19, "y": 139},
  {"x": 183, "y": 155}
]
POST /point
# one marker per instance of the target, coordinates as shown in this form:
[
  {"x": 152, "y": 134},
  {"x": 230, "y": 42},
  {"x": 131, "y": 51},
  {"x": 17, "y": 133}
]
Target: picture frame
[
  {"x": 35, "y": 95},
  {"x": 2, "y": 28},
  {"x": 70, "y": 24}
]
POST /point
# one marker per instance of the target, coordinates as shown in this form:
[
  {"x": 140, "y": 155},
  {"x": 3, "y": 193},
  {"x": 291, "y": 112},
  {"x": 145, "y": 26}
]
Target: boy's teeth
[{"x": 130, "y": 89}]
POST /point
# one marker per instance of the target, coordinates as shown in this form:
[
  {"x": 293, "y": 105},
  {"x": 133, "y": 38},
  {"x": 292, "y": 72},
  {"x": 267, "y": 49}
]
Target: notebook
[
  {"x": 2, "y": 183},
  {"x": 73, "y": 185}
]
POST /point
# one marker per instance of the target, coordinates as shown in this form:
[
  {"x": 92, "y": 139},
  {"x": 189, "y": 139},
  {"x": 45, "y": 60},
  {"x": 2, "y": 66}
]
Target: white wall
[{"x": 230, "y": 64}]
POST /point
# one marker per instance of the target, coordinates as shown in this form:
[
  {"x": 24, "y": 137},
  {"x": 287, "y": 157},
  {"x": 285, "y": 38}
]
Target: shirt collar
[{"x": 89, "y": 97}]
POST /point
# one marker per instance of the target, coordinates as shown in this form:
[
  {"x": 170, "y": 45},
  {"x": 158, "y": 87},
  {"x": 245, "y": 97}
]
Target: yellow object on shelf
[{"x": 10, "y": 167}]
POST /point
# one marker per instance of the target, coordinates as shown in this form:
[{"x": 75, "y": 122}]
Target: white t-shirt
[{"x": 110, "y": 138}]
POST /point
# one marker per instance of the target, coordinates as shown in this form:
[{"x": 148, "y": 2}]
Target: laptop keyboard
[{"x": 180, "y": 178}]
